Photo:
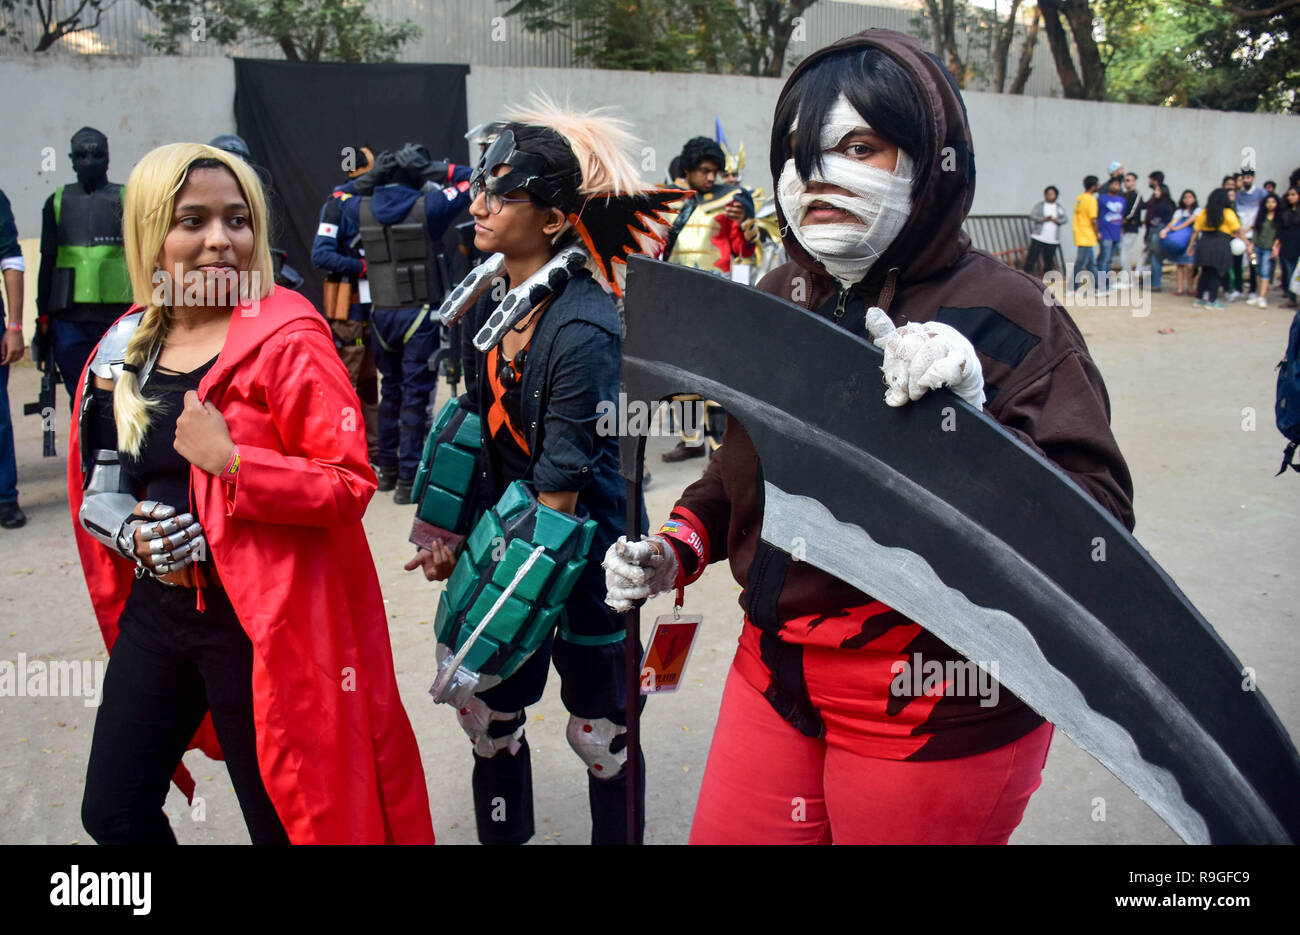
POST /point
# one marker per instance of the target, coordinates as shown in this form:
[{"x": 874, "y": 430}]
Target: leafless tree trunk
[
  {"x": 943, "y": 20},
  {"x": 1002, "y": 47},
  {"x": 1059, "y": 43},
  {"x": 1079, "y": 15},
  {"x": 1026, "y": 56}
]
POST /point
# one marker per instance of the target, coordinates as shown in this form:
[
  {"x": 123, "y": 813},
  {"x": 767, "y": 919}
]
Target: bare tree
[
  {"x": 1026, "y": 64},
  {"x": 54, "y": 27},
  {"x": 1078, "y": 15},
  {"x": 1006, "y": 32},
  {"x": 943, "y": 27}
]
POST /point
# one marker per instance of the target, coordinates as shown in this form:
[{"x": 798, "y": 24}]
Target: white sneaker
[
  {"x": 1253, "y": 300},
  {"x": 1262, "y": 303},
  {"x": 1233, "y": 296}
]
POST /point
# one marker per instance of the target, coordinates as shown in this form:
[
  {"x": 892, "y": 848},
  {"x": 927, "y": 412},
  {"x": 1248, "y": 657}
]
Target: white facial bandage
[{"x": 880, "y": 200}]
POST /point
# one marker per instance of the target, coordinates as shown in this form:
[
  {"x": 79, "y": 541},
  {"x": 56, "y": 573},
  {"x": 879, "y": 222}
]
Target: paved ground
[{"x": 1208, "y": 507}]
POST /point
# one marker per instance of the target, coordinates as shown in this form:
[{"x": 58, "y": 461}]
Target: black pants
[
  {"x": 593, "y": 686},
  {"x": 1208, "y": 286},
  {"x": 1040, "y": 252},
  {"x": 169, "y": 666}
]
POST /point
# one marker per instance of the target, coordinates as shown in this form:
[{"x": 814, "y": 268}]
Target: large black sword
[{"x": 940, "y": 513}]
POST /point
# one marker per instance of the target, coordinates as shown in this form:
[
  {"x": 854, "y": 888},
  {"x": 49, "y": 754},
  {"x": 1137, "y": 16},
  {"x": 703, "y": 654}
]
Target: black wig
[{"x": 878, "y": 88}]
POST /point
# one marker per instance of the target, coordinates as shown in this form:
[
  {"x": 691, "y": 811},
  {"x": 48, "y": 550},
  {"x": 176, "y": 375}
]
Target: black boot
[
  {"x": 11, "y": 515},
  {"x": 402, "y": 495},
  {"x": 387, "y": 478},
  {"x": 608, "y": 799},
  {"x": 503, "y": 797}
]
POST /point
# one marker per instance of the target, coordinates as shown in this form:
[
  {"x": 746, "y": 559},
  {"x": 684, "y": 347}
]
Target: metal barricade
[{"x": 1006, "y": 236}]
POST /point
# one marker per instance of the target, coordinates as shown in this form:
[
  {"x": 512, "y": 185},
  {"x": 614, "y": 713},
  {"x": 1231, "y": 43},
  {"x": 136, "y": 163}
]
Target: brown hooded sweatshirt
[{"x": 821, "y": 651}]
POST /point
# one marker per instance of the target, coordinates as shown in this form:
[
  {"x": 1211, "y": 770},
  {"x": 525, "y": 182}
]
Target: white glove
[
  {"x": 925, "y": 356},
  {"x": 635, "y": 571}
]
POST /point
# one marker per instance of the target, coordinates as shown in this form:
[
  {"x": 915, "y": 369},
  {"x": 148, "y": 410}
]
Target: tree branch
[
  {"x": 1242, "y": 12},
  {"x": 1026, "y": 56}
]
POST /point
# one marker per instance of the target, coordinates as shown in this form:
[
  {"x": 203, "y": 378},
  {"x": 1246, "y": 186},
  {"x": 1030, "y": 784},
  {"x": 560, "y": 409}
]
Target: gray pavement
[{"x": 1208, "y": 507}]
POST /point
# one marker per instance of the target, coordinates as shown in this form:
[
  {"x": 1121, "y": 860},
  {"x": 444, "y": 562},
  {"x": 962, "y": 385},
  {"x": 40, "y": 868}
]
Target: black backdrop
[{"x": 297, "y": 118}]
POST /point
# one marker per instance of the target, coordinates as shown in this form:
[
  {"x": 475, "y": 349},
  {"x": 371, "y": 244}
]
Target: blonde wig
[
  {"x": 599, "y": 141},
  {"x": 147, "y": 217}
]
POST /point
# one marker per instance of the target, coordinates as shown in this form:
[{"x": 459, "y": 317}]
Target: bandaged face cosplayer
[{"x": 846, "y": 176}]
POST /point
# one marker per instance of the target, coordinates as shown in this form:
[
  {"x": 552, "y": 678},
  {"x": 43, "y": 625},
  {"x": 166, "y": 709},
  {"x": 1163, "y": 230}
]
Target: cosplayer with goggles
[
  {"x": 864, "y": 140},
  {"x": 515, "y": 476}
]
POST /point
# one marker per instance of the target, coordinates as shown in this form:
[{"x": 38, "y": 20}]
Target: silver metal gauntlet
[{"x": 106, "y": 511}]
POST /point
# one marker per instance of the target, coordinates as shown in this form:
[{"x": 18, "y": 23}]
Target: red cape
[{"x": 334, "y": 746}]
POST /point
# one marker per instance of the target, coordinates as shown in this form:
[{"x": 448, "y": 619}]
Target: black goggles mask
[{"x": 526, "y": 171}]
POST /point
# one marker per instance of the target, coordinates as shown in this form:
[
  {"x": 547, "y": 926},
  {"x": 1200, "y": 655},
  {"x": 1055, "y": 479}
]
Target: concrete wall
[
  {"x": 1021, "y": 143},
  {"x": 138, "y": 104}
]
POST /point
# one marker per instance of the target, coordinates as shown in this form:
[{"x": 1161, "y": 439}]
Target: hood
[
  {"x": 932, "y": 238},
  {"x": 391, "y": 202}
]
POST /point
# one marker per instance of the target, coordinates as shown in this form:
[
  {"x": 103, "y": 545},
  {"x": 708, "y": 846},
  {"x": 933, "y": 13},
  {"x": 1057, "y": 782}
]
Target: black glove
[
  {"x": 40, "y": 351},
  {"x": 380, "y": 173},
  {"x": 412, "y": 158},
  {"x": 436, "y": 172}
]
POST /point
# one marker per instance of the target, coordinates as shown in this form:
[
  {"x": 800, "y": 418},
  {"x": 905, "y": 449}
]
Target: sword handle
[{"x": 632, "y": 636}]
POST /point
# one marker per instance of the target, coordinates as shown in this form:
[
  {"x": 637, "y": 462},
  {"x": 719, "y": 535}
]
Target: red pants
[{"x": 766, "y": 783}]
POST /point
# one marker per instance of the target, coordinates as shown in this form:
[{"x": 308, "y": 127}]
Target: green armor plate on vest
[
  {"x": 99, "y": 273},
  {"x": 527, "y": 617}
]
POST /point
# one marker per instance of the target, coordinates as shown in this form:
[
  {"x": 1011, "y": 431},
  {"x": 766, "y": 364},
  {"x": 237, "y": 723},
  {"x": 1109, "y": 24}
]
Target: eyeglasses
[{"x": 494, "y": 201}]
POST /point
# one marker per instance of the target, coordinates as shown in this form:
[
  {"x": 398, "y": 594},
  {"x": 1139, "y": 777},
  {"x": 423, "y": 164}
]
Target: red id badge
[{"x": 664, "y": 664}]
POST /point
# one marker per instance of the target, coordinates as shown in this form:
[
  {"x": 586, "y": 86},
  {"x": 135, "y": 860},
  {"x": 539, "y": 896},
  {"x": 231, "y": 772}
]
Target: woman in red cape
[{"x": 334, "y": 748}]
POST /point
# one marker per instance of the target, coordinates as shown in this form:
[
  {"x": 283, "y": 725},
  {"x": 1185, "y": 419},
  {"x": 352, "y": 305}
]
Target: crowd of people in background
[{"x": 1243, "y": 240}]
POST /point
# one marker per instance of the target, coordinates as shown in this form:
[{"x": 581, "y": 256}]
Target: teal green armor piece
[
  {"x": 446, "y": 480},
  {"x": 501, "y": 544}
]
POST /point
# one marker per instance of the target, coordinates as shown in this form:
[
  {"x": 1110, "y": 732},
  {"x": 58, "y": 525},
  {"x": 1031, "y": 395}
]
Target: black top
[
  {"x": 505, "y": 418},
  {"x": 159, "y": 469}
]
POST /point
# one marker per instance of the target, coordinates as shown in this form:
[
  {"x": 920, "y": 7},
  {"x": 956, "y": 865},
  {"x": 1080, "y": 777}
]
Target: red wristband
[
  {"x": 686, "y": 534},
  {"x": 231, "y": 470}
]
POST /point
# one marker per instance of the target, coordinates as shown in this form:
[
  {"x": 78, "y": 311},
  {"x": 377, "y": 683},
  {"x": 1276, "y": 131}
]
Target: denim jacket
[{"x": 572, "y": 365}]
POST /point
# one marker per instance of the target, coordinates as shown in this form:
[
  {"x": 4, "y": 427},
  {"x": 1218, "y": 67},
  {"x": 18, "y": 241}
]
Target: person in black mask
[{"x": 83, "y": 286}]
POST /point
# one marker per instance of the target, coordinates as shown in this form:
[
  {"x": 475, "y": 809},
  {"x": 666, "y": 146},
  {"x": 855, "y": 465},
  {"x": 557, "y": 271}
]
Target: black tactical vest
[{"x": 399, "y": 258}]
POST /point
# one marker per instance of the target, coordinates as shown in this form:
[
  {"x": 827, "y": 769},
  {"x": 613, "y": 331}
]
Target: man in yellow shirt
[{"x": 1085, "y": 232}]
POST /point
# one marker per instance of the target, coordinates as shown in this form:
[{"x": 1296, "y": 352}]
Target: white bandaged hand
[
  {"x": 922, "y": 356},
  {"x": 636, "y": 571}
]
